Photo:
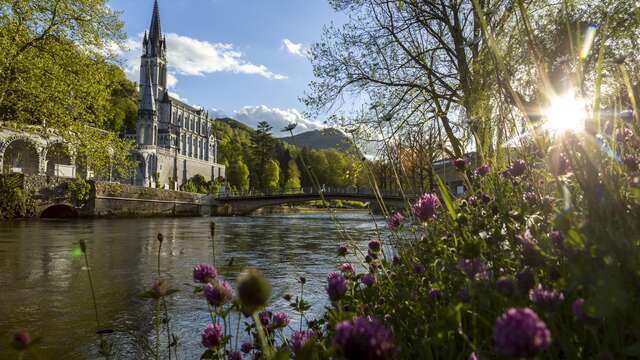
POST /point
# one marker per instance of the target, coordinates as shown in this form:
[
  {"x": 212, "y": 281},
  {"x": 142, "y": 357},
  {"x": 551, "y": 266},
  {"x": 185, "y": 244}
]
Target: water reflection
[{"x": 45, "y": 288}]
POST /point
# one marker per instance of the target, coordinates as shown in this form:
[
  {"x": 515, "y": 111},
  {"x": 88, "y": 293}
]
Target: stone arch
[
  {"x": 57, "y": 153},
  {"x": 59, "y": 211},
  {"x": 20, "y": 154}
]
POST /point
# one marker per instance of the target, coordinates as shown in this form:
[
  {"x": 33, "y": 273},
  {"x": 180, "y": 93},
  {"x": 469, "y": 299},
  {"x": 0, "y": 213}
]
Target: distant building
[{"x": 174, "y": 141}]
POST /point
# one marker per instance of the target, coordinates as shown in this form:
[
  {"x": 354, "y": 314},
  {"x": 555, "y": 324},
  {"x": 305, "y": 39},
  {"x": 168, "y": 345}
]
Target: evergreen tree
[{"x": 263, "y": 151}]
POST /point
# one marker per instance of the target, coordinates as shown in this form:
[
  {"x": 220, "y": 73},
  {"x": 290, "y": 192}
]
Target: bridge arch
[
  {"x": 20, "y": 154},
  {"x": 59, "y": 211}
]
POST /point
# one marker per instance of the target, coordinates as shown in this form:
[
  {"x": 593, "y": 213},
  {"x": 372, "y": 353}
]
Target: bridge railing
[{"x": 350, "y": 191}]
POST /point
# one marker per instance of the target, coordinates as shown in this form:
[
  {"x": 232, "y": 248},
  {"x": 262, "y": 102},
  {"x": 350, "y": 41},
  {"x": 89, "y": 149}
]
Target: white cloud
[
  {"x": 295, "y": 48},
  {"x": 194, "y": 57},
  {"x": 277, "y": 118},
  {"x": 178, "y": 97},
  {"x": 191, "y": 57}
]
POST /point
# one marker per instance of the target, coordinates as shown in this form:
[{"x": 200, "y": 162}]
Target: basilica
[{"x": 174, "y": 141}]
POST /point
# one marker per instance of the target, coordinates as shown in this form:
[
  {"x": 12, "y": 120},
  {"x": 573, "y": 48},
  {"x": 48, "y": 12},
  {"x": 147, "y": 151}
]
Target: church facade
[{"x": 174, "y": 141}]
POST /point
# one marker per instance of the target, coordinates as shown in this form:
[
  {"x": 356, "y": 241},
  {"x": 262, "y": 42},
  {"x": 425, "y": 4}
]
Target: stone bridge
[
  {"x": 231, "y": 204},
  {"x": 52, "y": 197}
]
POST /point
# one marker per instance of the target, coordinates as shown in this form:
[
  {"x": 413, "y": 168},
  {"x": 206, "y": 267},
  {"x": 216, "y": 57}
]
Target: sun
[{"x": 566, "y": 113}]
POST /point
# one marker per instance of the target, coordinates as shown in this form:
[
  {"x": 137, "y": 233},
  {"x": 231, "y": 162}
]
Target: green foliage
[
  {"x": 189, "y": 186},
  {"x": 124, "y": 102},
  {"x": 238, "y": 175},
  {"x": 14, "y": 202},
  {"x": 198, "y": 184},
  {"x": 80, "y": 190},
  {"x": 293, "y": 177},
  {"x": 54, "y": 73},
  {"x": 271, "y": 175}
]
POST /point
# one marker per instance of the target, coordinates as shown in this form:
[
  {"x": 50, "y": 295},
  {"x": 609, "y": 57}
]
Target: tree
[
  {"x": 271, "y": 175},
  {"x": 263, "y": 150},
  {"x": 124, "y": 102},
  {"x": 55, "y": 71},
  {"x": 478, "y": 70},
  {"x": 238, "y": 175},
  {"x": 293, "y": 177}
]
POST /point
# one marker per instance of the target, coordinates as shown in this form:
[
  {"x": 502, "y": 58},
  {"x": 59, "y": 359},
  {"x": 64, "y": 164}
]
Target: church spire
[
  {"x": 155, "y": 32},
  {"x": 147, "y": 100}
]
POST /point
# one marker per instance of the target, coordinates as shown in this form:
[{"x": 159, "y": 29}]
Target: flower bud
[{"x": 253, "y": 290}]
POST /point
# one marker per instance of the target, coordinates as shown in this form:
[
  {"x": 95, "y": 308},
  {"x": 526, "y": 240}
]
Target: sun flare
[{"x": 566, "y": 113}]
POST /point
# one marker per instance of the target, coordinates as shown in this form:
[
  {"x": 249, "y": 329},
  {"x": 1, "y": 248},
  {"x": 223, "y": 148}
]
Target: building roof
[{"x": 173, "y": 100}]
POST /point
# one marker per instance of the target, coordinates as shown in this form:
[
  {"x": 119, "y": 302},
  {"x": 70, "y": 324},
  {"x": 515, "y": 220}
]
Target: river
[{"x": 45, "y": 288}]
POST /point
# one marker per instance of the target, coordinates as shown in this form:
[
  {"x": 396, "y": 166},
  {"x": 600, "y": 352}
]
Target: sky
[{"x": 241, "y": 58}]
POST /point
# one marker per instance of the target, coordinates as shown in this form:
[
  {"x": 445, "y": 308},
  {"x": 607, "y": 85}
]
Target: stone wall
[
  {"x": 186, "y": 168},
  {"x": 112, "y": 199}
]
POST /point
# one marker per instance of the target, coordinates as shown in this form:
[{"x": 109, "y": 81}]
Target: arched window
[{"x": 21, "y": 156}]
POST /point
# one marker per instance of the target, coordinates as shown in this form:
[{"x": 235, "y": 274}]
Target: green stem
[
  {"x": 266, "y": 349},
  {"x": 157, "y": 330},
  {"x": 93, "y": 293}
]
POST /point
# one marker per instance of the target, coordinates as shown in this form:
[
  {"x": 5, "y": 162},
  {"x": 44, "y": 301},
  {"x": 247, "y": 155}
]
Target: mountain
[
  {"x": 320, "y": 139},
  {"x": 235, "y": 124}
]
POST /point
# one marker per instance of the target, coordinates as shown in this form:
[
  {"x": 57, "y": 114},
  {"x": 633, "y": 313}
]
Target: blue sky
[{"x": 243, "y": 58}]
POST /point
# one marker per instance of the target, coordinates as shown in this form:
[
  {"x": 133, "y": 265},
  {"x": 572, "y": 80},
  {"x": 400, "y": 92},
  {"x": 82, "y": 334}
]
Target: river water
[{"x": 44, "y": 287}]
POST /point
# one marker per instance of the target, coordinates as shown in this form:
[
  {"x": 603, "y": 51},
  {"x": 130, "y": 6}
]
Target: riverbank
[{"x": 285, "y": 210}]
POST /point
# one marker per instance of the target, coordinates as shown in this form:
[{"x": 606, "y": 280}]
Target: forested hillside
[{"x": 257, "y": 160}]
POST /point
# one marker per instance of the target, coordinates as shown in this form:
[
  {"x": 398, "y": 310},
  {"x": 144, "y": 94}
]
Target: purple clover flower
[
  {"x": 280, "y": 320},
  {"x": 342, "y": 250},
  {"x": 578, "y": 310},
  {"x": 212, "y": 336},
  {"x": 624, "y": 134},
  {"x": 21, "y": 340},
  {"x": 506, "y": 286},
  {"x": 632, "y": 163},
  {"x": 547, "y": 298},
  {"x": 203, "y": 273},
  {"x": 375, "y": 246},
  {"x": 517, "y": 168},
  {"x": 368, "y": 279},
  {"x": 461, "y": 164},
  {"x": 526, "y": 280},
  {"x": 425, "y": 207},
  {"x": 299, "y": 339},
  {"x": 472, "y": 267},
  {"x": 395, "y": 221},
  {"x": 246, "y": 347},
  {"x": 219, "y": 293},
  {"x": 234, "y": 355},
  {"x": 265, "y": 317},
  {"x": 347, "y": 268},
  {"x": 482, "y": 170},
  {"x": 519, "y": 333},
  {"x": 557, "y": 237},
  {"x": 363, "y": 338},
  {"x": 418, "y": 268},
  {"x": 337, "y": 286},
  {"x": 530, "y": 197},
  {"x": 435, "y": 294}
]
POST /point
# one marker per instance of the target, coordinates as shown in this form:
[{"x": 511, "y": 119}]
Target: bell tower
[{"x": 153, "y": 80}]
